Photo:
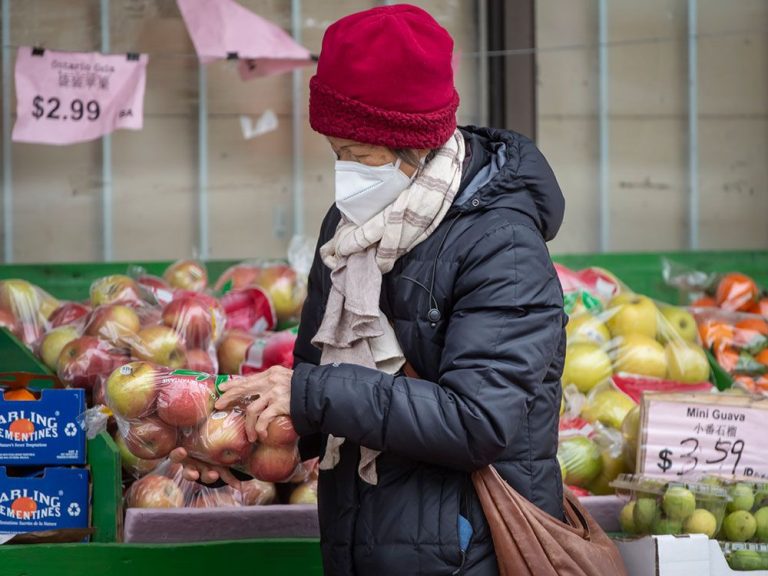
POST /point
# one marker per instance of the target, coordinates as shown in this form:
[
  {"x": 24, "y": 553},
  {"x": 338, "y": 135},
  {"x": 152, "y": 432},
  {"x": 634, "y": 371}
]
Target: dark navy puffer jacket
[{"x": 489, "y": 387}]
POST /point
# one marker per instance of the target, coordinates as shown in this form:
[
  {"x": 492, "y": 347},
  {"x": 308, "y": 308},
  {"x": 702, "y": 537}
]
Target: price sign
[
  {"x": 693, "y": 434},
  {"x": 69, "y": 97}
]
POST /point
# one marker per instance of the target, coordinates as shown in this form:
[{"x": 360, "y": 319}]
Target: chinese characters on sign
[
  {"x": 705, "y": 434},
  {"x": 70, "y": 97}
]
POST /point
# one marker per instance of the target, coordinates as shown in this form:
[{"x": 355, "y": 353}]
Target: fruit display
[
  {"x": 176, "y": 321},
  {"x": 158, "y": 409},
  {"x": 590, "y": 456},
  {"x": 746, "y": 514},
  {"x": 655, "y": 506}
]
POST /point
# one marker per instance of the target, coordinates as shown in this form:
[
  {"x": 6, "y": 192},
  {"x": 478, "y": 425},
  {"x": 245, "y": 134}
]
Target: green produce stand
[{"x": 641, "y": 271}]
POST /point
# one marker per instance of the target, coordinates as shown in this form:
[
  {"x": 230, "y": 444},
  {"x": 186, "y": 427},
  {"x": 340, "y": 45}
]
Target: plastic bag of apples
[{"x": 158, "y": 409}]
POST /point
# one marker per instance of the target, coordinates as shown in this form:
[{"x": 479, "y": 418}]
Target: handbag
[{"x": 529, "y": 541}]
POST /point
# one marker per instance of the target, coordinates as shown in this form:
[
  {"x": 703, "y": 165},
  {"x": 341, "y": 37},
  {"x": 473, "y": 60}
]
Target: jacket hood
[{"x": 521, "y": 178}]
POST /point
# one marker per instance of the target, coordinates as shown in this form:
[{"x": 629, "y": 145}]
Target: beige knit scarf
[{"x": 354, "y": 330}]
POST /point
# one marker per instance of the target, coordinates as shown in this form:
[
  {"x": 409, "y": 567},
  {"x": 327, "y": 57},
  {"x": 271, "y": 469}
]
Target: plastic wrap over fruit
[
  {"x": 242, "y": 353},
  {"x": 25, "y": 309},
  {"x": 739, "y": 343},
  {"x": 631, "y": 336},
  {"x": 591, "y": 456},
  {"x": 249, "y": 310},
  {"x": 657, "y": 506},
  {"x": 732, "y": 291},
  {"x": 189, "y": 275},
  {"x": 158, "y": 409},
  {"x": 86, "y": 362}
]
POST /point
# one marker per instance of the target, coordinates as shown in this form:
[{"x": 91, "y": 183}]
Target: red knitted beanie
[{"x": 384, "y": 77}]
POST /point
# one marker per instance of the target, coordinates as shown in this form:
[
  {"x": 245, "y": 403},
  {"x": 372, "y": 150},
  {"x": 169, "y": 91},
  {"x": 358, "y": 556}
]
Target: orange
[
  {"x": 761, "y": 383},
  {"x": 19, "y": 394},
  {"x": 736, "y": 292},
  {"x": 715, "y": 333},
  {"x": 21, "y": 429},
  {"x": 745, "y": 383},
  {"x": 704, "y": 302},
  {"x": 23, "y": 505},
  {"x": 727, "y": 357},
  {"x": 762, "y": 357},
  {"x": 750, "y": 331}
]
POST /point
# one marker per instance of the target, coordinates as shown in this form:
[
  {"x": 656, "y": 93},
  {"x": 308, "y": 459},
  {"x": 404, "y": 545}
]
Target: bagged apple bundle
[
  {"x": 243, "y": 353},
  {"x": 739, "y": 344},
  {"x": 158, "y": 409},
  {"x": 25, "y": 310},
  {"x": 733, "y": 291},
  {"x": 190, "y": 275}
]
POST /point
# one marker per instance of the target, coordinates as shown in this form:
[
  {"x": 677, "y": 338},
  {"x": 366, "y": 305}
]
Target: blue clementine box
[
  {"x": 51, "y": 499},
  {"x": 43, "y": 432}
]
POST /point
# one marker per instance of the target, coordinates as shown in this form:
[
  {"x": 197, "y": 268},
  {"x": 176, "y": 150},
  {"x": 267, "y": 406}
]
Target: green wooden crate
[{"x": 262, "y": 557}]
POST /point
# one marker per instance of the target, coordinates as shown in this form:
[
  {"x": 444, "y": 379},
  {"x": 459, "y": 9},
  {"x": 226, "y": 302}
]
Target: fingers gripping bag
[{"x": 158, "y": 409}]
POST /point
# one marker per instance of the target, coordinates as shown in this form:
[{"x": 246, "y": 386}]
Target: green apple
[
  {"x": 632, "y": 314},
  {"x": 666, "y": 526},
  {"x": 644, "y": 514},
  {"x": 686, "y": 362},
  {"x": 739, "y": 526},
  {"x": 627, "y": 519},
  {"x": 586, "y": 366},
  {"x": 745, "y": 560},
  {"x": 678, "y": 502},
  {"x": 677, "y": 323},
  {"x": 640, "y": 354},
  {"x": 701, "y": 522},
  {"x": 761, "y": 517},
  {"x": 587, "y": 328},
  {"x": 742, "y": 498},
  {"x": 53, "y": 343}
]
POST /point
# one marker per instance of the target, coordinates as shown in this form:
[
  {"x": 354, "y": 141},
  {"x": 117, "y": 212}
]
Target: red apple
[
  {"x": 184, "y": 401},
  {"x": 249, "y": 310},
  {"x": 154, "y": 491},
  {"x": 222, "y": 438},
  {"x": 202, "y": 361},
  {"x": 150, "y": 438},
  {"x": 273, "y": 463},
  {"x": 116, "y": 323},
  {"x": 279, "y": 350},
  {"x": 232, "y": 351},
  {"x": 187, "y": 275},
  {"x": 155, "y": 288},
  {"x": 136, "y": 467},
  {"x": 191, "y": 318},
  {"x": 68, "y": 313},
  {"x": 85, "y": 361},
  {"x": 280, "y": 432},
  {"x": 286, "y": 289},
  {"x": 131, "y": 390},
  {"x": 304, "y": 493},
  {"x": 215, "y": 498},
  {"x": 114, "y": 289},
  {"x": 257, "y": 493},
  {"x": 238, "y": 277},
  {"x": 161, "y": 345}
]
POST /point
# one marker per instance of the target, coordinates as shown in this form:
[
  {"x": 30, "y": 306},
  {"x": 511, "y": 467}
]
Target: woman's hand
[
  {"x": 194, "y": 470},
  {"x": 267, "y": 395}
]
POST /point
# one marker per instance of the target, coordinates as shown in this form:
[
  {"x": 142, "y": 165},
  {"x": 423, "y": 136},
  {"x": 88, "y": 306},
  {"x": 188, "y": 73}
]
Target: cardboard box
[
  {"x": 51, "y": 499},
  {"x": 666, "y": 555},
  {"x": 43, "y": 432}
]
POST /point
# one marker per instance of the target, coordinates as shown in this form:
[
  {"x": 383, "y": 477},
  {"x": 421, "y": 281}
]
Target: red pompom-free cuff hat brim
[{"x": 334, "y": 114}]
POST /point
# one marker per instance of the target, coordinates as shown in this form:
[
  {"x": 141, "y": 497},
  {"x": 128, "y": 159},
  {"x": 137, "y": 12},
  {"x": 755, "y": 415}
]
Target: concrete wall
[
  {"x": 57, "y": 202},
  {"x": 648, "y": 121}
]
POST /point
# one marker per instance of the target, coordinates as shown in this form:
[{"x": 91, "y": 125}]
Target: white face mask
[{"x": 364, "y": 191}]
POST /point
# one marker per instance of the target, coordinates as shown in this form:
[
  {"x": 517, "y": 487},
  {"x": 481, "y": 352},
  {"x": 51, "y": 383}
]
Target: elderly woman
[{"x": 432, "y": 340}]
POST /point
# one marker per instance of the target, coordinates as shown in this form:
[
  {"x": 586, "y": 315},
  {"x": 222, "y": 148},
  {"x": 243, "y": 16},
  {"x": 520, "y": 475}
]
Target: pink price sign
[
  {"x": 70, "y": 97},
  {"x": 695, "y": 434}
]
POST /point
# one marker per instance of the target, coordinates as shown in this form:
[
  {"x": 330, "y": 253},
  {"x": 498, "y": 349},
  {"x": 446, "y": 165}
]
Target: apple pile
[
  {"x": 26, "y": 310},
  {"x": 158, "y": 409}
]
